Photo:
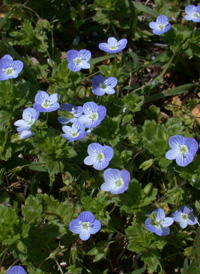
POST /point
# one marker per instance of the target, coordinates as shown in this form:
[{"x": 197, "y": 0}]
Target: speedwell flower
[
  {"x": 113, "y": 46},
  {"x": 102, "y": 85},
  {"x": 75, "y": 132},
  {"x": 116, "y": 181},
  {"x": 45, "y": 102},
  {"x": 158, "y": 223},
  {"x": 29, "y": 117},
  {"x": 182, "y": 149},
  {"x": 99, "y": 156},
  {"x": 78, "y": 59},
  {"x": 184, "y": 216},
  {"x": 93, "y": 114},
  {"x": 85, "y": 225},
  {"x": 17, "y": 269},
  {"x": 9, "y": 69},
  {"x": 161, "y": 25},
  {"x": 192, "y": 13}
]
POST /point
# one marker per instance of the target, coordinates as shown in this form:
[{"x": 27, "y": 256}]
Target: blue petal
[
  {"x": 94, "y": 149},
  {"x": 190, "y": 9},
  {"x": 17, "y": 269},
  {"x": 95, "y": 227},
  {"x": 84, "y": 234},
  {"x": 71, "y": 55},
  {"x": 105, "y": 47},
  {"x": 125, "y": 176},
  {"x": 74, "y": 67},
  {"x": 18, "y": 66},
  {"x": 107, "y": 186},
  {"x": 89, "y": 160},
  {"x": 111, "y": 175},
  {"x": 184, "y": 161},
  {"x": 172, "y": 154},
  {"x": 74, "y": 226},
  {"x": 160, "y": 214},
  {"x": 101, "y": 165},
  {"x": 112, "y": 82},
  {"x": 192, "y": 145},
  {"x": 85, "y": 54},
  {"x": 148, "y": 225},
  {"x": 121, "y": 44},
  {"x": 163, "y": 231},
  {"x": 108, "y": 152},
  {"x": 112, "y": 41},
  {"x": 96, "y": 80},
  {"x": 176, "y": 140},
  {"x": 86, "y": 216},
  {"x": 162, "y": 19},
  {"x": 167, "y": 221},
  {"x": 41, "y": 96}
]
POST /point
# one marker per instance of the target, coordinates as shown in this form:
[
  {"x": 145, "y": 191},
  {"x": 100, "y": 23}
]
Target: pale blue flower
[
  {"x": 102, "y": 85},
  {"x": 161, "y": 25},
  {"x": 158, "y": 223},
  {"x": 113, "y": 46},
  {"x": 99, "y": 156},
  {"x": 182, "y": 149},
  {"x": 93, "y": 115},
  {"x": 85, "y": 225},
  {"x": 116, "y": 181},
  {"x": 9, "y": 69},
  {"x": 29, "y": 117},
  {"x": 17, "y": 269},
  {"x": 78, "y": 59},
  {"x": 75, "y": 132},
  {"x": 185, "y": 216},
  {"x": 45, "y": 102},
  {"x": 75, "y": 111},
  {"x": 192, "y": 13}
]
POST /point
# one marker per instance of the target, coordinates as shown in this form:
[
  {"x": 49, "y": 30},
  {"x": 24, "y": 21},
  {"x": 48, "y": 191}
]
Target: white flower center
[
  {"x": 74, "y": 133},
  {"x": 103, "y": 85},
  {"x": 196, "y": 14},
  {"x": 46, "y": 104},
  {"x": 100, "y": 156},
  {"x": 77, "y": 60},
  {"x": 114, "y": 47},
  {"x": 162, "y": 26},
  {"x": 183, "y": 150},
  {"x": 94, "y": 116},
  {"x": 9, "y": 70},
  {"x": 119, "y": 182},
  {"x": 85, "y": 225},
  {"x": 184, "y": 216}
]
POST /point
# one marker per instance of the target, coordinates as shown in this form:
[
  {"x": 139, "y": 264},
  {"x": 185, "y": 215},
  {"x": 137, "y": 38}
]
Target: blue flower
[
  {"x": 9, "y": 69},
  {"x": 17, "y": 269},
  {"x": 45, "y": 102},
  {"x": 102, "y": 85},
  {"x": 192, "y": 13},
  {"x": 93, "y": 114},
  {"x": 158, "y": 223},
  {"x": 29, "y": 117},
  {"x": 182, "y": 149},
  {"x": 161, "y": 25},
  {"x": 78, "y": 59},
  {"x": 113, "y": 46},
  {"x": 75, "y": 132},
  {"x": 99, "y": 156},
  {"x": 85, "y": 225},
  {"x": 116, "y": 181},
  {"x": 184, "y": 216},
  {"x": 75, "y": 111},
  {"x": 25, "y": 134}
]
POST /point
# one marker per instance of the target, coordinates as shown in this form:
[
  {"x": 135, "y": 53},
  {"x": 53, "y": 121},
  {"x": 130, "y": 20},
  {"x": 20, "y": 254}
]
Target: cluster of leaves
[{"x": 44, "y": 183}]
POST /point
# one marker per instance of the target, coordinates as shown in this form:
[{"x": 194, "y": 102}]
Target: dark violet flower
[
  {"x": 74, "y": 111},
  {"x": 17, "y": 269},
  {"x": 75, "y": 132},
  {"x": 29, "y": 117},
  {"x": 102, "y": 85},
  {"x": 93, "y": 114},
  {"x": 184, "y": 216},
  {"x": 116, "y": 181},
  {"x": 158, "y": 223},
  {"x": 182, "y": 149},
  {"x": 99, "y": 156},
  {"x": 192, "y": 13},
  {"x": 9, "y": 69},
  {"x": 78, "y": 59},
  {"x": 85, "y": 225},
  {"x": 25, "y": 134},
  {"x": 45, "y": 102},
  {"x": 113, "y": 46},
  {"x": 161, "y": 25}
]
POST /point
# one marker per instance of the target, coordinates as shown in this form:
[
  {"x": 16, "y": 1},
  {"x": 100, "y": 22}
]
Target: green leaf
[
  {"x": 194, "y": 266},
  {"x": 140, "y": 7},
  {"x": 135, "y": 60},
  {"x": 139, "y": 271},
  {"x": 97, "y": 60}
]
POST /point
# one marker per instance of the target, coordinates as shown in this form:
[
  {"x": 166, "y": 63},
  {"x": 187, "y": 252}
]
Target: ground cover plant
[{"x": 99, "y": 134}]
